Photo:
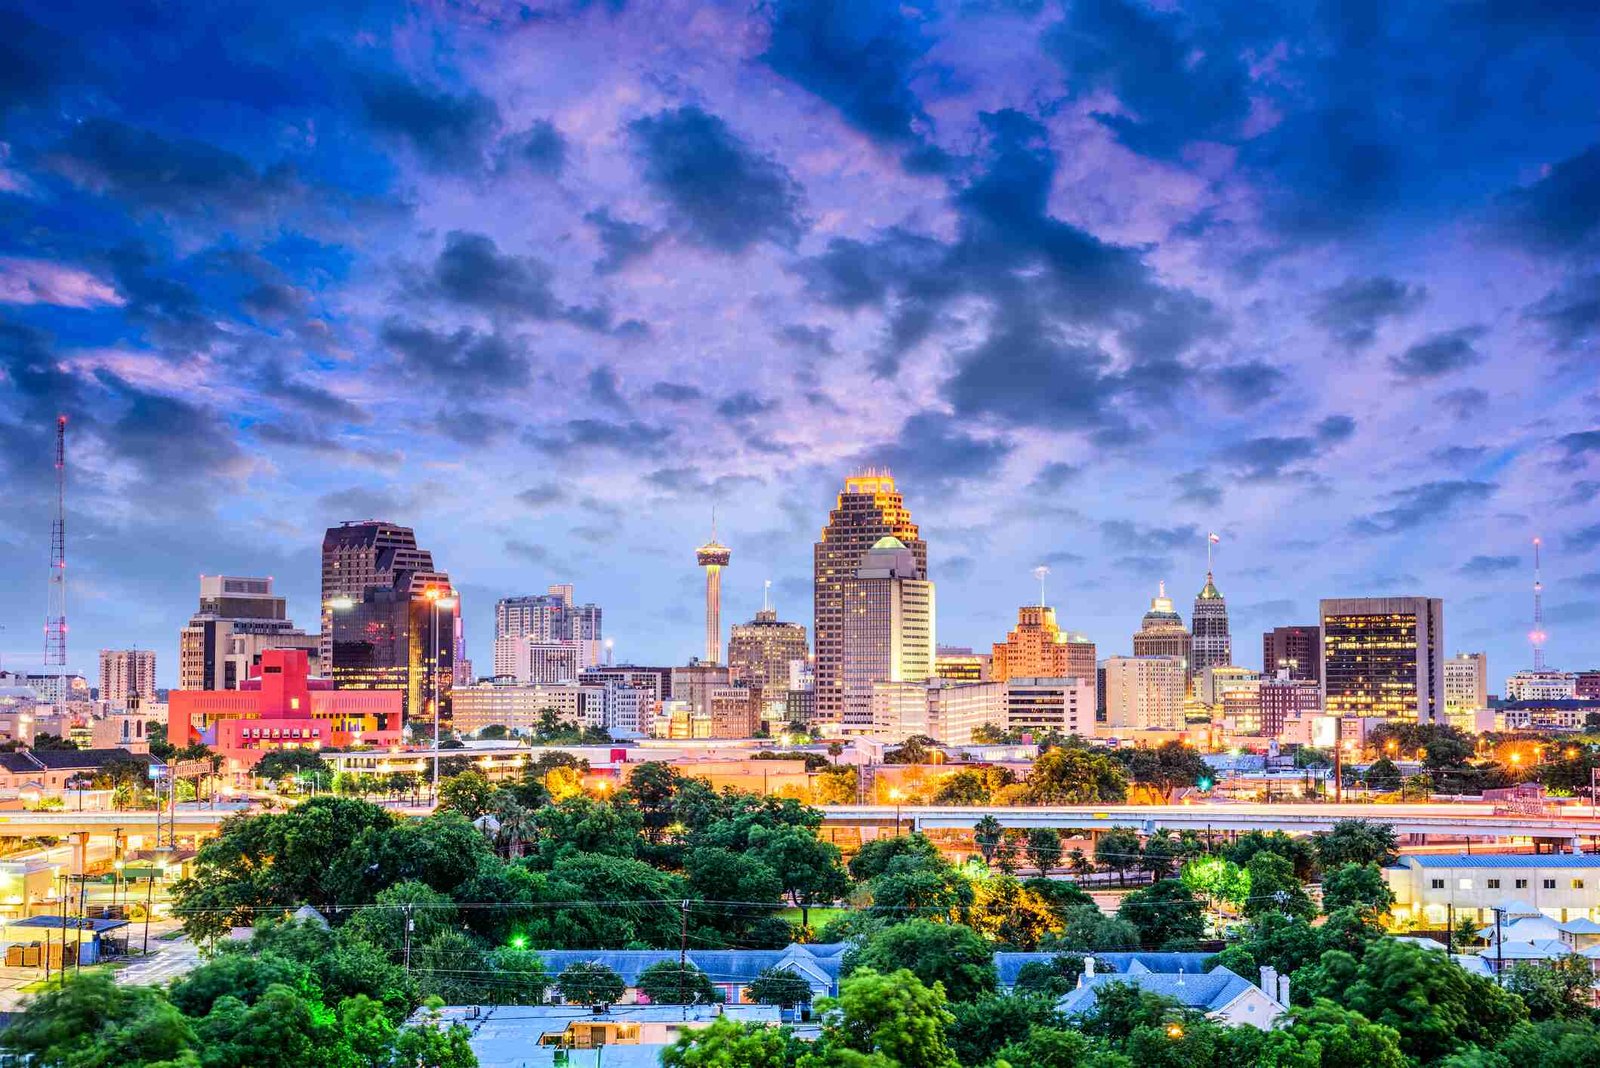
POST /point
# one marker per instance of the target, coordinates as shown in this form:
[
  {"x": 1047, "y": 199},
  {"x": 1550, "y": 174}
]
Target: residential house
[
  {"x": 1220, "y": 994},
  {"x": 622, "y": 1036}
]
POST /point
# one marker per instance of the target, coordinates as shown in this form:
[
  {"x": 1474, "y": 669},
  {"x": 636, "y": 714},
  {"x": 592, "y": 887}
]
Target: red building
[{"x": 282, "y": 707}]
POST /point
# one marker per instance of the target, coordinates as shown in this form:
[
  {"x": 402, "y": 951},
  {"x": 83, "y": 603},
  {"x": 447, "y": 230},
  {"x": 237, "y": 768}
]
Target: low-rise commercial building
[{"x": 1427, "y": 887}]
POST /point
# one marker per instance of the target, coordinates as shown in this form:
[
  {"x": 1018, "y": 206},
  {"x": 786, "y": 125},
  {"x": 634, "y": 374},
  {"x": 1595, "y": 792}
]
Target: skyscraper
[
  {"x": 713, "y": 556},
  {"x": 545, "y": 619},
  {"x": 1161, "y": 632},
  {"x": 389, "y": 616},
  {"x": 888, "y": 628},
  {"x": 869, "y": 509},
  {"x": 125, "y": 673},
  {"x": 1213, "y": 646},
  {"x": 1144, "y": 693},
  {"x": 1037, "y": 648},
  {"x": 238, "y": 619},
  {"x": 1297, "y": 650},
  {"x": 1384, "y": 656},
  {"x": 760, "y": 651}
]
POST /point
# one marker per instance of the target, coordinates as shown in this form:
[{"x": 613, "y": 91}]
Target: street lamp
[{"x": 896, "y": 796}]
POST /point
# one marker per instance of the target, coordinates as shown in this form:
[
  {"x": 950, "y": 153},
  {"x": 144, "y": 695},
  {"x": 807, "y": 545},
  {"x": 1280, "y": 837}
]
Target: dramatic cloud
[
  {"x": 935, "y": 450},
  {"x": 723, "y": 194},
  {"x": 446, "y": 131},
  {"x": 44, "y": 282},
  {"x": 1353, "y": 310},
  {"x": 465, "y": 360},
  {"x": 1561, "y": 211},
  {"x": 1486, "y": 566},
  {"x": 1429, "y": 502}
]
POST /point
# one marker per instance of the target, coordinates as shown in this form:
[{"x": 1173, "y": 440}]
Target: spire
[
  {"x": 1039, "y": 573},
  {"x": 1537, "y": 635}
]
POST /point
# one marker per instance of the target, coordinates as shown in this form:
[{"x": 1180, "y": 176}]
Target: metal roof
[
  {"x": 1208, "y": 992},
  {"x": 1502, "y": 860}
]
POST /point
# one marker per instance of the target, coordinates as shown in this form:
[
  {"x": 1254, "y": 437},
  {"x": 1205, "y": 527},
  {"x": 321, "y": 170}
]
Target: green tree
[
  {"x": 1324, "y": 1035},
  {"x": 665, "y": 983},
  {"x": 1217, "y": 881},
  {"x": 1298, "y": 851},
  {"x": 894, "y": 1016},
  {"x": 1358, "y": 886},
  {"x": 1090, "y": 930},
  {"x": 586, "y": 983},
  {"x": 951, "y": 955},
  {"x": 808, "y": 870},
  {"x": 428, "y": 912},
  {"x": 1160, "y": 853},
  {"x": 1436, "y": 1007},
  {"x": 278, "y": 765},
  {"x": 1117, "y": 849},
  {"x": 1383, "y": 775},
  {"x": 1053, "y": 978},
  {"x": 917, "y": 749},
  {"x": 912, "y": 886},
  {"x": 238, "y": 975},
  {"x": 1562, "y": 989},
  {"x": 987, "y": 835},
  {"x": 1011, "y": 913},
  {"x": 779, "y": 986},
  {"x": 1166, "y": 915},
  {"x": 282, "y": 1029},
  {"x": 1044, "y": 848},
  {"x": 653, "y": 787},
  {"x": 469, "y": 793},
  {"x": 983, "y": 1026},
  {"x": 1073, "y": 775},
  {"x": 1357, "y": 842},
  {"x": 1055, "y": 1047},
  {"x": 1167, "y": 767},
  {"x": 874, "y": 857},
  {"x": 432, "y": 1044},
  {"x": 1273, "y": 886},
  {"x": 91, "y": 1022},
  {"x": 726, "y": 1044}
]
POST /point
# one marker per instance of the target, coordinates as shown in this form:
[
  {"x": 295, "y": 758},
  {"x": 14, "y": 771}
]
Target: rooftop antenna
[
  {"x": 55, "y": 620},
  {"x": 1537, "y": 636},
  {"x": 766, "y": 591},
  {"x": 1039, "y": 573}
]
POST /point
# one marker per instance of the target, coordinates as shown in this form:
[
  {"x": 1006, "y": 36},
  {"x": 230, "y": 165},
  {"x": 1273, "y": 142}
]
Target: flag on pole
[{"x": 1213, "y": 538}]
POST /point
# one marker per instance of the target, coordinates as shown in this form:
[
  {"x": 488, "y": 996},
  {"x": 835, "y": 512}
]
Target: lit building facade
[
  {"x": 282, "y": 707},
  {"x": 760, "y": 651},
  {"x": 961, "y": 664},
  {"x": 1586, "y": 685},
  {"x": 1384, "y": 657},
  {"x": 359, "y": 556},
  {"x": 1295, "y": 649},
  {"x": 530, "y": 662},
  {"x": 522, "y": 708},
  {"x": 1040, "y": 706},
  {"x": 549, "y": 618},
  {"x": 126, "y": 673},
  {"x": 238, "y": 619},
  {"x": 1162, "y": 633},
  {"x": 1144, "y": 693},
  {"x": 888, "y": 628},
  {"x": 1542, "y": 684},
  {"x": 713, "y": 556},
  {"x": 1038, "y": 648},
  {"x": 1284, "y": 698},
  {"x": 1466, "y": 684},
  {"x": 869, "y": 509},
  {"x": 1213, "y": 644}
]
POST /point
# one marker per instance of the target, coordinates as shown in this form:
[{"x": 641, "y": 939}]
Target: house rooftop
[
  {"x": 1206, "y": 992},
  {"x": 1500, "y": 860}
]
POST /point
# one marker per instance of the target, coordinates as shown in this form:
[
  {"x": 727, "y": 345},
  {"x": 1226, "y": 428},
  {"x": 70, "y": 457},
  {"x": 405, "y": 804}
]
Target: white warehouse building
[{"x": 1562, "y": 886}]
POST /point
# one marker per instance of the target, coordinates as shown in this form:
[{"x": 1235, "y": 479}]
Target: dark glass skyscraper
[
  {"x": 1297, "y": 650},
  {"x": 1213, "y": 645}
]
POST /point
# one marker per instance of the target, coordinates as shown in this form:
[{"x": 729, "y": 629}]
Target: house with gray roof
[
  {"x": 1222, "y": 995},
  {"x": 731, "y": 971}
]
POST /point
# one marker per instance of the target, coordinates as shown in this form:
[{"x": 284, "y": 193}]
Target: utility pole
[
  {"x": 410, "y": 926},
  {"x": 1450, "y": 927},
  {"x": 1338, "y": 760},
  {"x": 1499, "y": 948},
  {"x": 683, "y": 953}
]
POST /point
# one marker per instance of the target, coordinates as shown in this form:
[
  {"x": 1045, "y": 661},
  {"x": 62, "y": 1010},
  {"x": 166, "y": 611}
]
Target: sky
[{"x": 549, "y": 282}]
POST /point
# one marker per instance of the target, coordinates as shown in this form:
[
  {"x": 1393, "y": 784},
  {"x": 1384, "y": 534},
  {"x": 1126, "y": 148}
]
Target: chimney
[
  {"x": 1269, "y": 980},
  {"x": 1283, "y": 990},
  {"x": 1088, "y": 967}
]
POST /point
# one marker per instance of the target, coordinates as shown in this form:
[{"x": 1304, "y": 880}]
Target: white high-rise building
[
  {"x": 1144, "y": 693},
  {"x": 1065, "y": 706},
  {"x": 1466, "y": 684},
  {"x": 1541, "y": 684},
  {"x": 546, "y": 619}
]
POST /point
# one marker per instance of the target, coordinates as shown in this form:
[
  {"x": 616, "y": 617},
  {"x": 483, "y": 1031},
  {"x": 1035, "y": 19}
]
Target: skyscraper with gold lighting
[
  {"x": 713, "y": 556},
  {"x": 869, "y": 510}
]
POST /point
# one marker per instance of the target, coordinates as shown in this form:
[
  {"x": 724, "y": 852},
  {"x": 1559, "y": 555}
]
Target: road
[{"x": 167, "y": 961}]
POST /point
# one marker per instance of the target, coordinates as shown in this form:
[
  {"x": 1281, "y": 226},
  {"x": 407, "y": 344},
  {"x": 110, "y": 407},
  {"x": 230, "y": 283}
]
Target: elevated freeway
[
  {"x": 187, "y": 821},
  {"x": 1452, "y": 819}
]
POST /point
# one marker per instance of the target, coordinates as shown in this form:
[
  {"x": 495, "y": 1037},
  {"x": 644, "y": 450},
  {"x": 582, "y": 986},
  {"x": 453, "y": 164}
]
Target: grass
[
  {"x": 819, "y": 916},
  {"x": 42, "y": 984}
]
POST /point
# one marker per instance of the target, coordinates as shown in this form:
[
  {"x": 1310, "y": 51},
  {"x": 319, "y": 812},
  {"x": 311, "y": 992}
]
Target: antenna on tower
[
  {"x": 1039, "y": 573},
  {"x": 766, "y": 591},
  {"x": 1537, "y": 636},
  {"x": 55, "y": 621}
]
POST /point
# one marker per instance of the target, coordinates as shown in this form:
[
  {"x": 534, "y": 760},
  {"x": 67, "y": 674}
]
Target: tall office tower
[
  {"x": 1384, "y": 657},
  {"x": 400, "y": 637},
  {"x": 1144, "y": 693},
  {"x": 1212, "y": 643},
  {"x": 869, "y": 509},
  {"x": 238, "y": 619},
  {"x": 458, "y": 652},
  {"x": 359, "y": 556},
  {"x": 888, "y": 628},
  {"x": 1037, "y": 648},
  {"x": 1296, "y": 650},
  {"x": 1162, "y": 633},
  {"x": 713, "y": 556},
  {"x": 761, "y": 651},
  {"x": 586, "y": 634},
  {"x": 125, "y": 673}
]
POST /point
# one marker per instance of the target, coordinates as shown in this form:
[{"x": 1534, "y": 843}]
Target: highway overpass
[
  {"x": 188, "y": 821},
  {"x": 1449, "y": 819}
]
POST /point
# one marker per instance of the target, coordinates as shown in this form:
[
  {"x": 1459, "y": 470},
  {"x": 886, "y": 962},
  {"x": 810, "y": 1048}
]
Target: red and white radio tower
[{"x": 55, "y": 621}]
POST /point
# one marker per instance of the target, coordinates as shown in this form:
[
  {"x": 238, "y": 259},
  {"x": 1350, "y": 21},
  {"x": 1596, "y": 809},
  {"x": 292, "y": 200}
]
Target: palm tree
[{"x": 987, "y": 833}]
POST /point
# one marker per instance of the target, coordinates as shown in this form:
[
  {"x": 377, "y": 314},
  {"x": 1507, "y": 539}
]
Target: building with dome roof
[
  {"x": 888, "y": 632},
  {"x": 1162, "y": 633}
]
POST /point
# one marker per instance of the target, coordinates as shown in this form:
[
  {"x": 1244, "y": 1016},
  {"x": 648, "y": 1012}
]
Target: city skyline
[{"x": 547, "y": 289}]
